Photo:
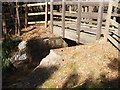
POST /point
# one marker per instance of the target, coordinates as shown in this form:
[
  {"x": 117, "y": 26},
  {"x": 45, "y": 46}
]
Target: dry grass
[{"x": 91, "y": 63}]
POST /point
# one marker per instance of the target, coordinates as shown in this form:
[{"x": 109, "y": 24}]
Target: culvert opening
[{"x": 71, "y": 42}]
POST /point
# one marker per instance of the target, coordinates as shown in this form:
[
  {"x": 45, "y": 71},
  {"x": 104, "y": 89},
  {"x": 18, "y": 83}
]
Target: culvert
[{"x": 37, "y": 49}]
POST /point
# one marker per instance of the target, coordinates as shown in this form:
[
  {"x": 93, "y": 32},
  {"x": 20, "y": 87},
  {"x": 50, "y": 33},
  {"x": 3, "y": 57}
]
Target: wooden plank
[
  {"x": 57, "y": 3},
  {"x": 85, "y": 3},
  {"x": 70, "y": 9},
  {"x": 116, "y": 36},
  {"x": 78, "y": 22},
  {"x": 26, "y": 15},
  {"x": 40, "y": 13},
  {"x": 90, "y": 11},
  {"x": 57, "y": 13},
  {"x": 114, "y": 23},
  {"x": 99, "y": 25},
  {"x": 32, "y": 14},
  {"x": 74, "y": 20},
  {"x": 83, "y": 15},
  {"x": 117, "y": 44},
  {"x": 35, "y": 4},
  {"x": 36, "y": 22},
  {"x": 63, "y": 18},
  {"x": 83, "y": 27},
  {"x": 71, "y": 3},
  {"x": 115, "y": 14},
  {"x": 90, "y": 30},
  {"x": 116, "y": 4},
  {"x": 116, "y": 32},
  {"x": 71, "y": 12},
  {"x": 71, "y": 34},
  {"x": 51, "y": 16},
  {"x": 108, "y": 20},
  {"x": 46, "y": 14}
]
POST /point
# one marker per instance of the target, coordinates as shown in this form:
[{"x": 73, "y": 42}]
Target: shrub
[{"x": 7, "y": 46}]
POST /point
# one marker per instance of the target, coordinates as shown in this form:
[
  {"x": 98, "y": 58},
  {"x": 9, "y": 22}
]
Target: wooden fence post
[
  {"x": 63, "y": 18},
  {"x": 46, "y": 14},
  {"x": 70, "y": 8},
  {"x": 51, "y": 16},
  {"x": 18, "y": 18},
  {"x": 90, "y": 11},
  {"x": 82, "y": 11},
  {"x": 106, "y": 33},
  {"x": 78, "y": 22},
  {"x": 99, "y": 24},
  {"x": 26, "y": 15}
]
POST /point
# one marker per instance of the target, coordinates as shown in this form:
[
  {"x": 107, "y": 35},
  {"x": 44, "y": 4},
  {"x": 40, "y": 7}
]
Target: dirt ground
[{"x": 92, "y": 65}]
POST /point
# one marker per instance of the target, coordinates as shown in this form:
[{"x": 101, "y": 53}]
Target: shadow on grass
[
  {"x": 36, "y": 78},
  {"x": 115, "y": 64},
  {"x": 71, "y": 80},
  {"x": 104, "y": 81},
  {"x": 101, "y": 83}
]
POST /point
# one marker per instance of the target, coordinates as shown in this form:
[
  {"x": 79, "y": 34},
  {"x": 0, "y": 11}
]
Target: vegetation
[{"x": 7, "y": 46}]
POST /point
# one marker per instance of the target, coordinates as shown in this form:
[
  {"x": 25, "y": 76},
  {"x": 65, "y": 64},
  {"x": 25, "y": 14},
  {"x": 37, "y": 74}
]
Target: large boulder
[
  {"x": 52, "y": 59},
  {"x": 30, "y": 53}
]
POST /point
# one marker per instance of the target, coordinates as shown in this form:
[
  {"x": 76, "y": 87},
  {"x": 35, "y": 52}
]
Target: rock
[
  {"x": 21, "y": 54},
  {"x": 20, "y": 57},
  {"x": 22, "y": 45},
  {"x": 33, "y": 51},
  {"x": 51, "y": 60}
]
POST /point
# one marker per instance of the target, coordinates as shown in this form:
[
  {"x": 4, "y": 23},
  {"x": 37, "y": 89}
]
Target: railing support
[
  {"x": 46, "y": 14},
  {"x": 63, "y": 18},
  {"x": 78, "y": 22},
  {"x": 26, "y": 15},
  {"x": 51, "y": 16},
  {"x": 106, "y": 33},
  {"x": 100, "y": 18}
]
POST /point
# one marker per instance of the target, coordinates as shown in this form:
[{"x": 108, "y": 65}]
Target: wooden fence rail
[{"x": 38, "y": 13}]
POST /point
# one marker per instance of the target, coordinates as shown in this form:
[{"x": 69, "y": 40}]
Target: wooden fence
[
  {"x": 89, "y": 15},
  {"x": 112, "y": 35},
  {"x": 38, "y": 13},
  {"x": 101, "y": 21}
]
